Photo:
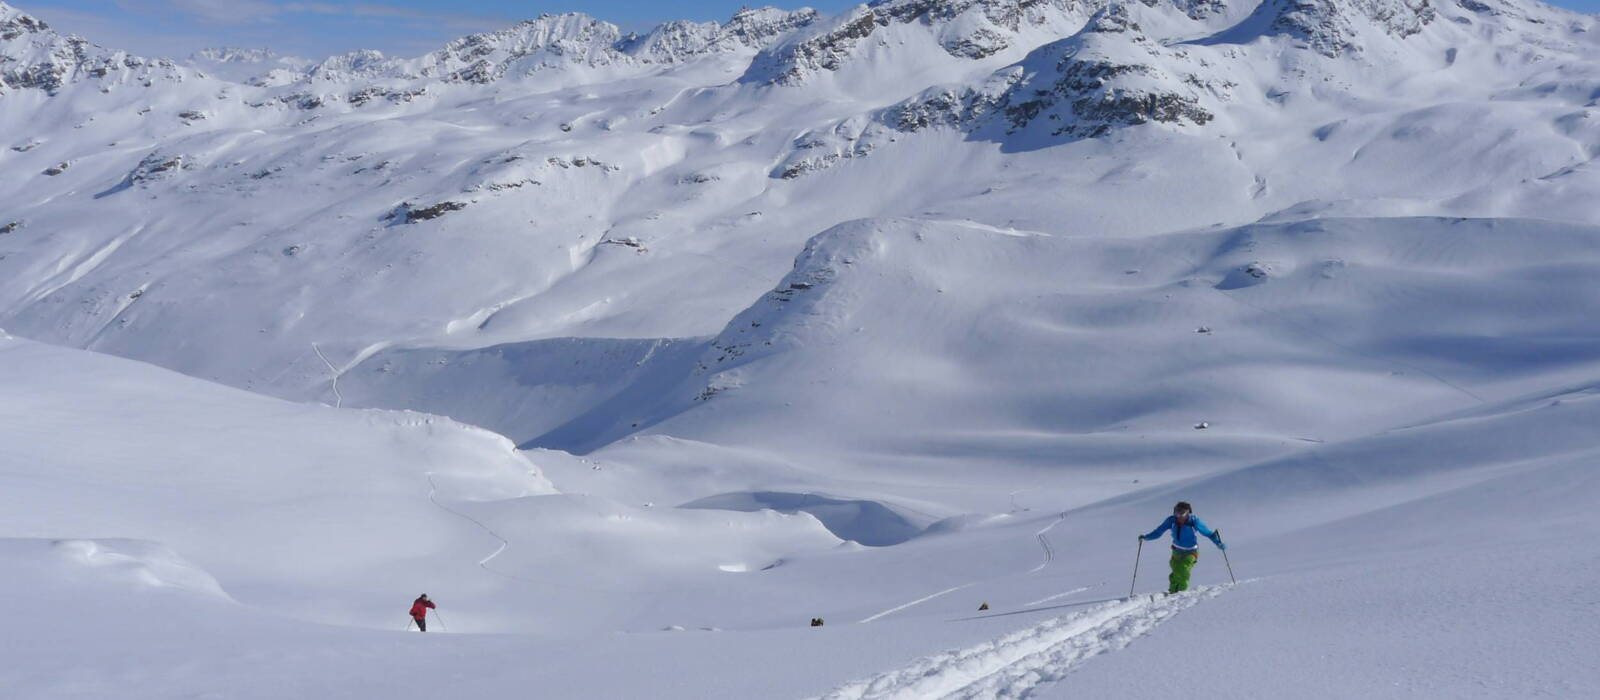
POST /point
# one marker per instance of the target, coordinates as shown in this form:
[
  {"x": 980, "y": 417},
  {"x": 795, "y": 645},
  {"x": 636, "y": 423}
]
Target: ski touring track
[
  {"x": 918, "y": 601},
  {"x": 1057, "y": 596},
  {"x": 504, "y": 544},
  {"x": 1049, "y": 554},
  {"x": 1049, "y": 557},
  {"x": 1020, "y": 663}
]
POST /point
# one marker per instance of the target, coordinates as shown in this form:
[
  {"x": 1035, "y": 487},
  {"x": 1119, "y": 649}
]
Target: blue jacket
[{"x": 1184, "y": 537}]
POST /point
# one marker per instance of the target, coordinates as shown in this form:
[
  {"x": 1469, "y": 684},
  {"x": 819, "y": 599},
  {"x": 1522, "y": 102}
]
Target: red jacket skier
[{"x": 419, "y": 611}]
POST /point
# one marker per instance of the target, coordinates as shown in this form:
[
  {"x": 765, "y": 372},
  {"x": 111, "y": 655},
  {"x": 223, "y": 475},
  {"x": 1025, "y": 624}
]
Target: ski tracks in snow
[
  {"x": 433, "y": 493},
  {"x": 333, "y": 372},
  {"x": 918, "y": 601},
  {"x": 1049, "y": 554},
  {"x": 1016, "y": 665}
]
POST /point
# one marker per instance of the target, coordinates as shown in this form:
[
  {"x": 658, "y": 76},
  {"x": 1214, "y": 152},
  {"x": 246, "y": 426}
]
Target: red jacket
[{"x": 419, "y": 609}]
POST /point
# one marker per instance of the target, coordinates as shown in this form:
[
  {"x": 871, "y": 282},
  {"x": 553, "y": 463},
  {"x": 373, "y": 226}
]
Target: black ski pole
[
  {"x": 1136, "y": 558},
  {"x": 442, "y": 626},
  {"x": 1225, "y": 561}
]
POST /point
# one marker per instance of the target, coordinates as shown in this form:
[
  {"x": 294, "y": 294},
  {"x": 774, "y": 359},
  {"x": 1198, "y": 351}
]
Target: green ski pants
[{"x": 1182, "y": 566}]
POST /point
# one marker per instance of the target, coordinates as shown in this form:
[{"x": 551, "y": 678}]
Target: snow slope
[
  {"x": 1366, "y": 553},
  {"x": 637, "y": 352}
]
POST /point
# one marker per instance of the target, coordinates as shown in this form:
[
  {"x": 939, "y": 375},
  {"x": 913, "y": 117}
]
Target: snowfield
[{"x": 639, "y": 352}]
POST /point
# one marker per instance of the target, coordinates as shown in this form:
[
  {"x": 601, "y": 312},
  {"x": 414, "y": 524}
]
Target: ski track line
[
  {"x": 433, "y": 490},
  {"x": 1049, "y": 554},
  {"x": 1049, "y": 598},
  {"x": 918, "y": 601},
  {"x": 1019, "y": 663},
  {"x": 338, "y": 398}
]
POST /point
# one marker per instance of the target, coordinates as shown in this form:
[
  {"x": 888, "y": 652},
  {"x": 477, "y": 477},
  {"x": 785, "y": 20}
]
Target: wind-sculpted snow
[{"x": 832, "y": 341}]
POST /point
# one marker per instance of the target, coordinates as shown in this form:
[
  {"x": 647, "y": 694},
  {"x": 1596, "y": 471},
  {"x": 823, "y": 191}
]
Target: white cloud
[{"x": 228, "y": 11}]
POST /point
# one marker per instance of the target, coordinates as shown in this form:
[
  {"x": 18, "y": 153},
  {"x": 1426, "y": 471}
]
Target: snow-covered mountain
[
  {"x": 873, "y": 316},
  {"x": 35, "y": 57},
  {"x": 241, "y": 65}
]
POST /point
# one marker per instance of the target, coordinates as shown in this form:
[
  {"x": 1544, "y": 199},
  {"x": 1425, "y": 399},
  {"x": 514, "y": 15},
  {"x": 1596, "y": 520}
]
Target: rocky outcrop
[
  {"x": 550, "y": 40},
  {"x": 970, "y": 29},
  {"x": 790, "y": 63},
  {"x": 408, "y": 213},
  {"x": 1335, "y": 27},
  {"x": 675, "y": 42},
  {"x": 1108, "y": 76},
  {"x": 757, "y": 28}
]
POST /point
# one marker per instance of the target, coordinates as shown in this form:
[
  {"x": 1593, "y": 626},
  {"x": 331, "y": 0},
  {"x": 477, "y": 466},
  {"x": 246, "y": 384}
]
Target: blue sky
[{"x": 316, "y": 28}]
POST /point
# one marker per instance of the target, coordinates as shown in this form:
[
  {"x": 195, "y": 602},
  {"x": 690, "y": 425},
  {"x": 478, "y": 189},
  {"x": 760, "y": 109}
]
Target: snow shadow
[{"x": 868, "y": 522}]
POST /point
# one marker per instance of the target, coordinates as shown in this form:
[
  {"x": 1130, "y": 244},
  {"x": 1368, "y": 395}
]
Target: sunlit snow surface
[{"x": 637, "y": 354}]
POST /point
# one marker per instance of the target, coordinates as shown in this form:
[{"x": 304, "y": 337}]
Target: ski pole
[
  {"x": 1136, "y": 558},
  {"x": 442, "y": 626},
  {"x": 1230, "y": 567}
]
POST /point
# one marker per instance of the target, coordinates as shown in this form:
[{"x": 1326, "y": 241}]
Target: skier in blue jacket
[{"x": 1185, "y": 546}]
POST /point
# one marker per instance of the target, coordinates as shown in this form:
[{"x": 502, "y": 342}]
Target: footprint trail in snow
[{"x": 1016, "y": 665}]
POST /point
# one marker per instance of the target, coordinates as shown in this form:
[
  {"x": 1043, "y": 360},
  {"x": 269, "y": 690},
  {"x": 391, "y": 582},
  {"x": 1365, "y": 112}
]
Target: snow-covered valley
[{"x": 639, "y": 352}]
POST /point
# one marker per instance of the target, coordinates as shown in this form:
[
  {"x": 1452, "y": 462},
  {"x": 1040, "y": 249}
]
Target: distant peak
[
  {"x": 229, "y": 54},
  {"x": 14, "y": 23}
]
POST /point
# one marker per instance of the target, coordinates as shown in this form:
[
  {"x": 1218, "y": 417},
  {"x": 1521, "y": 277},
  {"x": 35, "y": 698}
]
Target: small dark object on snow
[
  {"x": 985, "y": 606},
  {"x": 1203, "y": 329},
  {"x": 816, "y": 622},
  {"x": 1202, "y": 425},
  {"x": 433, "y": 212}
]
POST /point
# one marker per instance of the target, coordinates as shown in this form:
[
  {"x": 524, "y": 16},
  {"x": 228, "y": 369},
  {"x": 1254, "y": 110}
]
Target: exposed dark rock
[
  {"x": 408, "y": 214},
  {"x": 1327, "y": 26},
  {"x": 628, "y": 242},
  {"x": 367, "y": 94}
]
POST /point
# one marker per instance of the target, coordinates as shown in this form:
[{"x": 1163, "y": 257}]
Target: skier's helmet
[{"x": 1182, "y": 508}]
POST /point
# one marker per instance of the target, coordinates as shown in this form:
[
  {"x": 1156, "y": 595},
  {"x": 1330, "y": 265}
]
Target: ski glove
[{"x": 1222, "y": 546}]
